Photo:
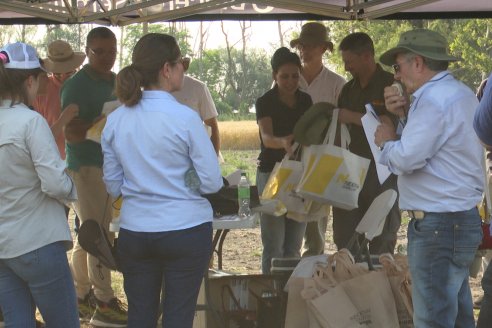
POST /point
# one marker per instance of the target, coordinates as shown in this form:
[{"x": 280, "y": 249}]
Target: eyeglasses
[{"x": 100, "y": 52}]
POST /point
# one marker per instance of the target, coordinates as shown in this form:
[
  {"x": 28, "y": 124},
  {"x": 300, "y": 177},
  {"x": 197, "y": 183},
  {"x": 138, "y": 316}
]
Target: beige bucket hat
[
  {"x": 313, "y": 33},
  {"x": 61, "y": 58}
]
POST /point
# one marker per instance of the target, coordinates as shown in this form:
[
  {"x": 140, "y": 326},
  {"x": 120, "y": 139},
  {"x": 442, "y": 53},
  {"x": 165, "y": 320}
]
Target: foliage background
[{"x": 237, "y": 73}]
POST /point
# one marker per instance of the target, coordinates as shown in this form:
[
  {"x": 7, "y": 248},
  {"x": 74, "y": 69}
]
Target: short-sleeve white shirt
[
  {"x": 196, "y": 95},
  {"x": 325, "y": 87}
]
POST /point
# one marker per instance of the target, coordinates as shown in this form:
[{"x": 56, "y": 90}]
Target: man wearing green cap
[
  {"x": 439, "y": 163},
  {"x": 366, "y": 87},
  {"x": 322, "y": 85}
]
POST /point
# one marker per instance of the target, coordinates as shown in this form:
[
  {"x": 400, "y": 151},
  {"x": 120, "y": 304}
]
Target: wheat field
[{"x": 239, "y": 135}]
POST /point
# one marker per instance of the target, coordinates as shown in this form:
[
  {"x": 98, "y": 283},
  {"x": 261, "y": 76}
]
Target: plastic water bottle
[{"x": 243, "y": 196}]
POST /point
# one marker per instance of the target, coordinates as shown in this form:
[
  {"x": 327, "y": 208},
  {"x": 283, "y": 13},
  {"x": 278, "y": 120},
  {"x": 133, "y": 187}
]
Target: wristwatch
[{"x": 381, "y": 146}]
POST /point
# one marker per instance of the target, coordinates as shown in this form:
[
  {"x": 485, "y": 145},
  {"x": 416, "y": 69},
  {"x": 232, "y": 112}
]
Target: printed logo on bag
[{"x": 362, "y": 317}]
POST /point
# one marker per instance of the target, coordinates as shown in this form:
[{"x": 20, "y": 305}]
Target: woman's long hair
[{"x": 151, "y": 52}]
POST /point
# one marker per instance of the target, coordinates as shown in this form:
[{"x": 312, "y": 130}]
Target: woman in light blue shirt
[{"x": 152, "y": 145}]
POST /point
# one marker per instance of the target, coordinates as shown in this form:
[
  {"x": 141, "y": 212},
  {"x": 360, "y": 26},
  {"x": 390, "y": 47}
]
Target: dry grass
[{"x": 239, "y": 135}]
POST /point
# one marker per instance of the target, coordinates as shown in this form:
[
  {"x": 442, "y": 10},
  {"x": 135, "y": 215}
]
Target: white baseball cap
[{"x": 20, "y": 56}]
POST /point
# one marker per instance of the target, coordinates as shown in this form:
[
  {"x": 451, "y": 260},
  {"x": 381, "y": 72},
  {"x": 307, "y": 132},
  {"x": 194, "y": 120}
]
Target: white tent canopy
[{"x": 125, "y": 12}]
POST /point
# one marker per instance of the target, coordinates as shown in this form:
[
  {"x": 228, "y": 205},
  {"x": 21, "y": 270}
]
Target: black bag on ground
[
  {"x": 224, "y": 202},
  {"x": 93, "y": 239}
]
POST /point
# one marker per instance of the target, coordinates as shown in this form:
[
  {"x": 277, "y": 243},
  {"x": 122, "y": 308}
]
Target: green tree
[
  {"x": 233, "y": 94},
  {"x": 73, "y": 34},
  {"x": 132, "y": 33}
]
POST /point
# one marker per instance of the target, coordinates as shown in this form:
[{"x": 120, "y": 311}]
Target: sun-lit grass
[{"x": 239, "y": 135}]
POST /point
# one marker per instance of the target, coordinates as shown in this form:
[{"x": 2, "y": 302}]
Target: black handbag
[{"x": 224, "y": 202}]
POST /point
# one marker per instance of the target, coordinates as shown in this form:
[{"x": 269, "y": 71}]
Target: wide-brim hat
[
  {"x": 311, "y": 128},
  {"x": 423, "y": 42},
  {"x": 61, "y": 58},
  {"x": 313, "y": 33}
]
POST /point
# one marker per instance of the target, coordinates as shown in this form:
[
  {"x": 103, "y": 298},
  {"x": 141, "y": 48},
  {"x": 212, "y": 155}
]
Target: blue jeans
[
  {"x": 441, "y": 248},
  {"x": 281, "y": 237},
  {"x": 485, "y": 317},
  {"x": 39, "y": 278},
  {"x": 181, "y": 257}
]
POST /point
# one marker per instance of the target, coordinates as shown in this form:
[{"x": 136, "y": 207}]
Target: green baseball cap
[
  {"x": 311, "y": 128},
  {"x": 423, "y": 42}
]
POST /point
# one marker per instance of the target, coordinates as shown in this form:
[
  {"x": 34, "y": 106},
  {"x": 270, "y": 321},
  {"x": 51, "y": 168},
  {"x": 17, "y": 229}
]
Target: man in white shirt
[
  {"x": 196, "y": 95},
  {"x": 322, "y": 85}
]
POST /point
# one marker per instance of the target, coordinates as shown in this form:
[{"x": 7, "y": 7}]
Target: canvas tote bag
[
  {"x": 401, "y": 286},
  {"x": 282, "y": 183},
  {"x": 333, "y": 175}
]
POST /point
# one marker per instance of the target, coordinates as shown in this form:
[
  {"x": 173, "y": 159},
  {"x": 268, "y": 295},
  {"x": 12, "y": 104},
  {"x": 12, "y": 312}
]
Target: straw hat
[
  {"x": 423, "y": 42},
  {"x": 61, "y": 58}
]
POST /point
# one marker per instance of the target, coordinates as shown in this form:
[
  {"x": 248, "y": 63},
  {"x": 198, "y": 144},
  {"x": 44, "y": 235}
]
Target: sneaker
[
  {"x": 110, "y": 314},
  {"x": 478, "y": 303},
  {"x": 87, "y": 306}
]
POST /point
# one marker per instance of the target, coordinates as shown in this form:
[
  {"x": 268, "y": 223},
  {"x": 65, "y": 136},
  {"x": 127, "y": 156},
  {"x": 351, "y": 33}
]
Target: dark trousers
[
  {"x": 179, "y": 258},
  {"x": 345, "y": 222}
]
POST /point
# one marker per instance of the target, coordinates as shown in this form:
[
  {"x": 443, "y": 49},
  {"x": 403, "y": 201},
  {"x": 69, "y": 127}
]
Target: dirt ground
[{"x": 242, "y": 254}]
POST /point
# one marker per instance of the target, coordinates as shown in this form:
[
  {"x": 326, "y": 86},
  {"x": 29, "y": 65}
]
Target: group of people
[
  {"x": 427, "y": 140},
  {"x": 301, "y": 81},
  {"x": 155, "y": 138},
  {"x": 147, "y": 148}
]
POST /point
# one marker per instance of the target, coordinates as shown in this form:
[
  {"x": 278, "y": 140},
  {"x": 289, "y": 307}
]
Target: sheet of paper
[
  {"x": 94, "y": 133},
  {"x": 370, "y": 122}
]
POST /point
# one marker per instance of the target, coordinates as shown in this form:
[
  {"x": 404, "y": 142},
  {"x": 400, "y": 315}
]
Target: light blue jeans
[
  {"x": 441, "y": 248},
  {"x": 281, "y": 237},
  {"x": 39, "y": 278}
]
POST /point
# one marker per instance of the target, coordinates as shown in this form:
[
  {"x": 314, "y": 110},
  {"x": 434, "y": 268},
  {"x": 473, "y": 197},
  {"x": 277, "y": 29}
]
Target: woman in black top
[{"x": 277, "y": 112}]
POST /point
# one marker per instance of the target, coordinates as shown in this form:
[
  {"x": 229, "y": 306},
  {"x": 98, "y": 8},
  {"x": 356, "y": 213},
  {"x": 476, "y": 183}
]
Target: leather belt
[{"x": 418, "y": 215}]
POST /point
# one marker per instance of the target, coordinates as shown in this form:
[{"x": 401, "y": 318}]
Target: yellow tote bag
[
  {"x": 282, "y": 183},
  {"x": 333, "y": 175}
]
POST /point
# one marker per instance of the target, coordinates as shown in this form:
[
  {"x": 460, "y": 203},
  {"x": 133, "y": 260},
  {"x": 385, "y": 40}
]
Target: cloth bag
[
  {"x": 401, "y": 286},
  {"x": 333, "y": 175},
  {"x": 347, "y": 294},
  {"x": 281, "y": 185}
]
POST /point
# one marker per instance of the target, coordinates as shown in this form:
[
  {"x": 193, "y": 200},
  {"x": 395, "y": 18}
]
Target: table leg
[{"x": 219, "y": 249}]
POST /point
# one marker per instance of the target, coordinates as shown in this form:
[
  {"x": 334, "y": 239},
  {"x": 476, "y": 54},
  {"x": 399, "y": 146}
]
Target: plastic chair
[{"x": 371, "y": 225}]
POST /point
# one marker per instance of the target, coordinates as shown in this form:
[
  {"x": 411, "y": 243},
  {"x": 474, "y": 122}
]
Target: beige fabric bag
[{"x": 401, "y": 285}]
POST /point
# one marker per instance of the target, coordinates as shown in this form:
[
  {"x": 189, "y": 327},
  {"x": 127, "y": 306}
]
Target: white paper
[{"x": 370, "y": 122}]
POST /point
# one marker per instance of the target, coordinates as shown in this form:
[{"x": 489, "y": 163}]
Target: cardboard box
[{"x": 236, "y": 298}]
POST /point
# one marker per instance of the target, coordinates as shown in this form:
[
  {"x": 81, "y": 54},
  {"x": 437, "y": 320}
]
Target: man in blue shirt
[
  {"x": 483, "y": 127},
  {"x": 439, "y": 163}
]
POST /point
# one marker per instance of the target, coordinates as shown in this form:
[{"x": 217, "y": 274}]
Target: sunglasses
[{"x": 185, "y": 61}]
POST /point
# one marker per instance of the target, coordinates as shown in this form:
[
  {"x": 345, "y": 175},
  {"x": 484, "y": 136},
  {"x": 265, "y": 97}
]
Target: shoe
[
  {"x": 478, "y": 303},
  {"x": 87, "y": 305},
  {"x": 110, "y": 314}
]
